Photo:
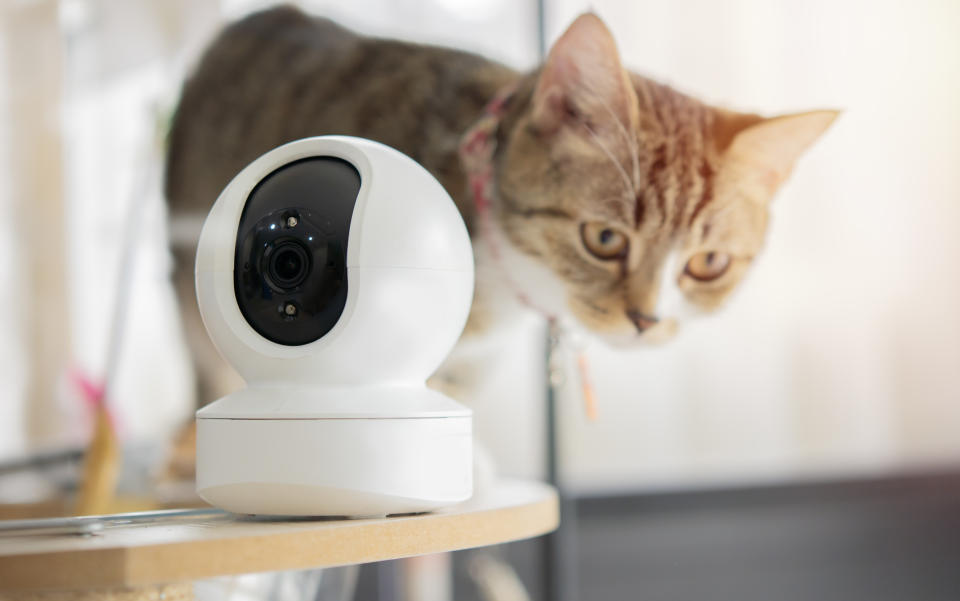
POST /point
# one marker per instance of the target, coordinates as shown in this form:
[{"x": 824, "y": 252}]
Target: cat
[{"x": 605, "y": 196}]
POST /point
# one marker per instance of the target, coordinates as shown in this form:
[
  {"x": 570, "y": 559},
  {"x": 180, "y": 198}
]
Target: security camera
[{"x": 335, "y": 274}]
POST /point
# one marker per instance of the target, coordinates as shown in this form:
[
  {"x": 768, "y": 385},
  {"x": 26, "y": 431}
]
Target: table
[{"x": 159, "y": 561}]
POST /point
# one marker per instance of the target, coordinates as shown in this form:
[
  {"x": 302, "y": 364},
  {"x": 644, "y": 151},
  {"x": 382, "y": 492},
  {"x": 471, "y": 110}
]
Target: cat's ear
[
  {"x": 772, "y": 145},
  {"x": 583, "y": 81}
]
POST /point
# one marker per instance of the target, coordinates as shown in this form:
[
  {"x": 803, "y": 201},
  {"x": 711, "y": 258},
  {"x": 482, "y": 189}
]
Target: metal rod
[{"x": 559, "y": 549}]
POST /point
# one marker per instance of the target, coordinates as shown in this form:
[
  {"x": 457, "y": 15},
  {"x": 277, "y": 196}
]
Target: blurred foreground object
[{"x": 30, "y": 69}]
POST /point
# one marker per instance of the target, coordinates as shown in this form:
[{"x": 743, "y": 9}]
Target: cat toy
[{"x": 101, "y": 465}]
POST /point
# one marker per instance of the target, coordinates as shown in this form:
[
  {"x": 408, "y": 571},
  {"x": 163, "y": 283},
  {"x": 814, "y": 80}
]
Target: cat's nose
[{"x": 641, "y": 320}]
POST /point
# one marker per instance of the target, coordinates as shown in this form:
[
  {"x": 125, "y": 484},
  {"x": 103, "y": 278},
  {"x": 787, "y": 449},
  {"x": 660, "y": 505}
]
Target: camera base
[{"x": 354, "y": 452}]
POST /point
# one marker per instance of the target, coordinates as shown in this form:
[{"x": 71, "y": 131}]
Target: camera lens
[{"x": 288, "y": 265}]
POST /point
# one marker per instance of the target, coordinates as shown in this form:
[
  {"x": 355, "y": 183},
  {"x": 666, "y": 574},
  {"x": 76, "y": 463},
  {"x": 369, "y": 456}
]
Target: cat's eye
[
  {"x": 708, "y": 266},
  {"x": 603, "y": 241}
]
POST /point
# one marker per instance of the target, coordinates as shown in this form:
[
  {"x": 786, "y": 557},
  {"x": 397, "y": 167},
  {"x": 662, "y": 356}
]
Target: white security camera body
[{"x": 335, "y": 314}]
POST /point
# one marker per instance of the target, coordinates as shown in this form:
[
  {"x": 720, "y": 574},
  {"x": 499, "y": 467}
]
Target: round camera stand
[{"x": 353, "y": 451}]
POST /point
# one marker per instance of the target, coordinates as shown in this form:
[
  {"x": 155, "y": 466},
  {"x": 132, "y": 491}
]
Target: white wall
[{"x": 842, "y": 350}]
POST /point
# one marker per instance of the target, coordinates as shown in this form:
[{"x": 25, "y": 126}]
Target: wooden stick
[{"x": 100, "y": 467}]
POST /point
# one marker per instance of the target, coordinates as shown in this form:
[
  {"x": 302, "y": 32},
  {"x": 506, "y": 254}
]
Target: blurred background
[{"x": 831, "y": 379}]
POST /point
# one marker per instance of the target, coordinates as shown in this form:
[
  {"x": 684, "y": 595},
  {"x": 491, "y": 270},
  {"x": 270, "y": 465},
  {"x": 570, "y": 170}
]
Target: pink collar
[{"x": 477, "y": 148}]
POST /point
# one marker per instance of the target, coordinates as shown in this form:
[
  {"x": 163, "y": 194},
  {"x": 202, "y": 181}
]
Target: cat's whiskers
[{"x": 632, "y": 144}]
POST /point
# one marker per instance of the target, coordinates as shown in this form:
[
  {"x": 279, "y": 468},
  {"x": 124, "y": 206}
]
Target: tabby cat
[{"x": 613, "y": 199}]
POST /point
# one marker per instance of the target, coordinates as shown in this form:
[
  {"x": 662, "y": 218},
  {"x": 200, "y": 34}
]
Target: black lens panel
[{"x": 292, "y": 247}]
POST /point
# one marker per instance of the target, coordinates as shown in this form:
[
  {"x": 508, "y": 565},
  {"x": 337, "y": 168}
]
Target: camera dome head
[
  {"x": 336, "y": 260},
  {"x": 335, "y": 274}
]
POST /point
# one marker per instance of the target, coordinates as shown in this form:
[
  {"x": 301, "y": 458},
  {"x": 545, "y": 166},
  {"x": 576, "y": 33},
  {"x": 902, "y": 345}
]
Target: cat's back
[
  {"x": 280, "y": 75},
  {"x": 236, "y": 103}
]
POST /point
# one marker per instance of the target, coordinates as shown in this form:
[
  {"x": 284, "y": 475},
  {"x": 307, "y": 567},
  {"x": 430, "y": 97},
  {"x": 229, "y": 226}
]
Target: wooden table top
[{"x": 209, "y": 547}]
